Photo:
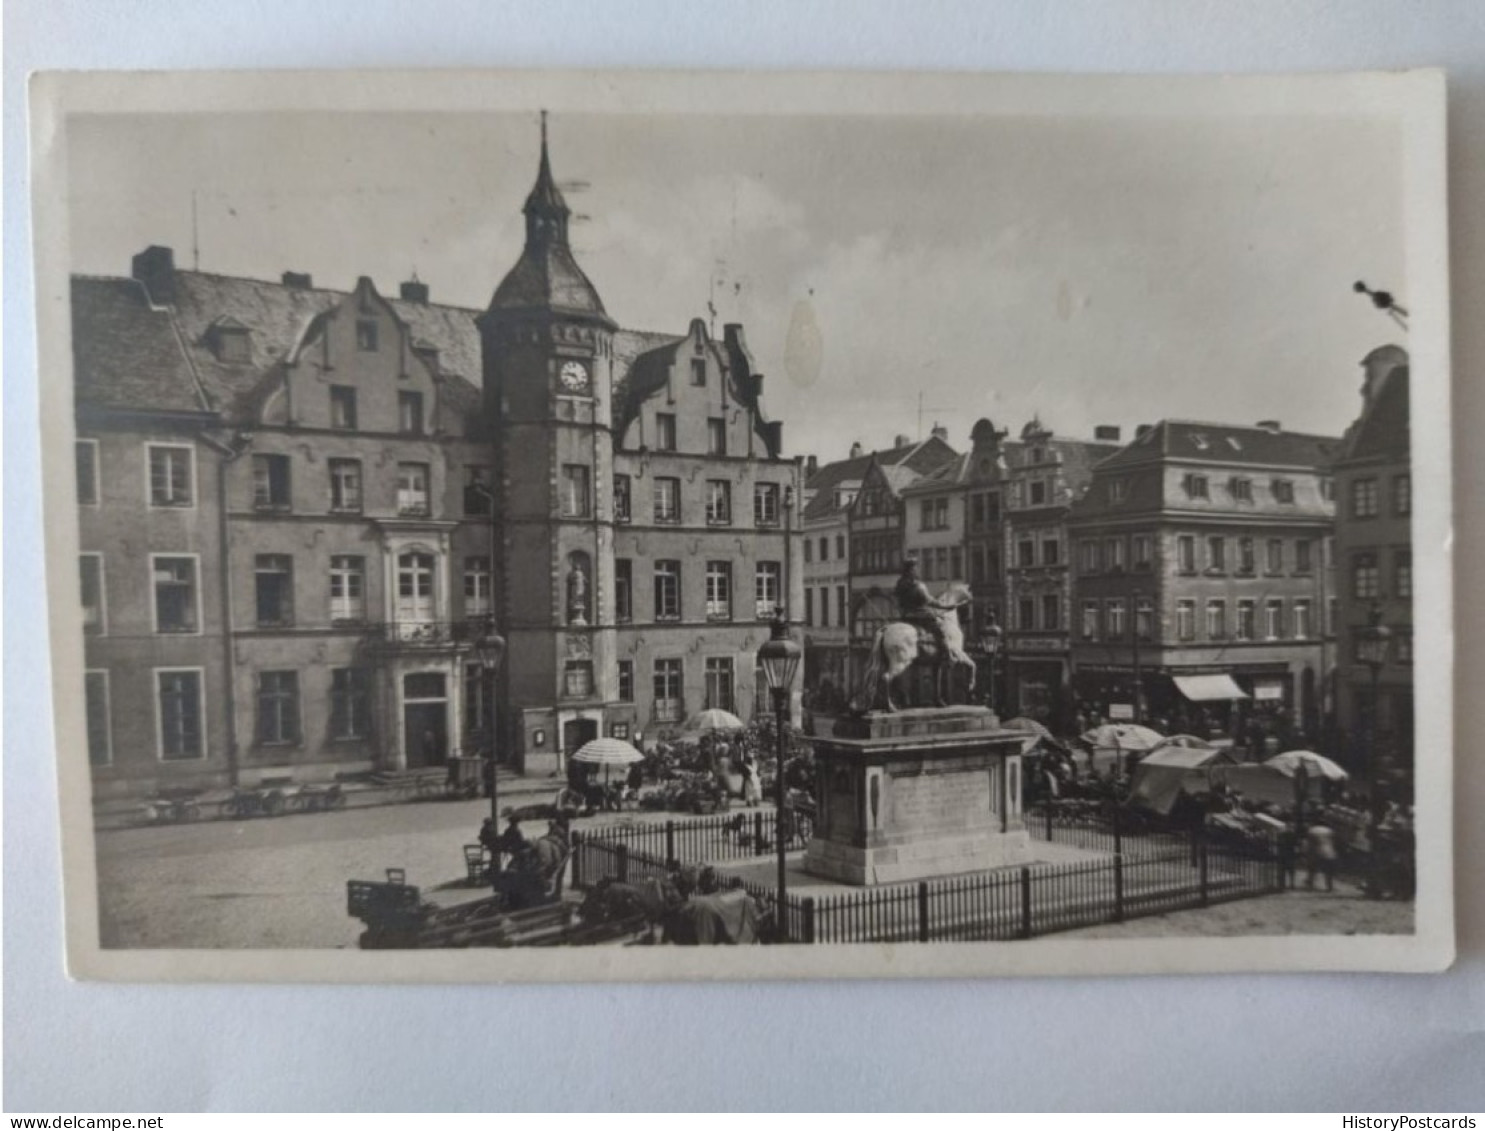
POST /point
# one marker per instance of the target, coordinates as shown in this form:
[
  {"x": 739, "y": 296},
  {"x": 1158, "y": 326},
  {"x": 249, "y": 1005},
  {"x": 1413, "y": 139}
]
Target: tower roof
[{"x": 546, "y": 279}]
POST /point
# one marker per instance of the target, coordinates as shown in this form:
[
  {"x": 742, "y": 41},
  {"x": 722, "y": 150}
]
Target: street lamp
[
  {"x": 489, "y": 651},
  {"x": 779, "y": 659},
  {"x": 990, "y": 639},
  {"x": 1372, "y": 642}
]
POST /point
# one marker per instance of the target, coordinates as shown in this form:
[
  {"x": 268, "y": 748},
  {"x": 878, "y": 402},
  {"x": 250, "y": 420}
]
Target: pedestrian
[
  {"x": 1288, "y": 848},
  {"x": 1321, "y": 844}
]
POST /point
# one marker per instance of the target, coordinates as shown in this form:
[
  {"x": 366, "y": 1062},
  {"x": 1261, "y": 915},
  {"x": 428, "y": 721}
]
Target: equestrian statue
[{"x": 927, "y": 629}]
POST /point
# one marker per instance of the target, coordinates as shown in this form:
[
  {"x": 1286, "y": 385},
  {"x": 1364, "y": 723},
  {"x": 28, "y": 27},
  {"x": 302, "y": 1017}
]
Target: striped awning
[{"x": 1204, "y": 688}]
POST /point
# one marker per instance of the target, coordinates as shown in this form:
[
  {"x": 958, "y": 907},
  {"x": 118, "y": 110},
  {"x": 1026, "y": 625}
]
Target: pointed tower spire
[{"x": 546, "y": 211}]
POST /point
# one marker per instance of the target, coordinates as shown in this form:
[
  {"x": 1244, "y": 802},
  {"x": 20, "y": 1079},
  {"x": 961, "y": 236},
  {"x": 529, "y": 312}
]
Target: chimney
[
  {"x": 856, "y": 450},
  {"x": 1107, "y": 432},
  {"x": 155, "y": 268},
  {"x": 1271, "y": 426},
  {"x": 901, "y": 441},
  {"x": 298, "y": 280},
  {"x": 941, "y": 433},
  {"x": 1142, "y": 430},
  {"x": 811, "y": 465},
  {"x": 414, "y": 291}
]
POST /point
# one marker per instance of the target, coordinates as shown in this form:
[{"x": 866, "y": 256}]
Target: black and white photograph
[{"x": 568, "y": 524}]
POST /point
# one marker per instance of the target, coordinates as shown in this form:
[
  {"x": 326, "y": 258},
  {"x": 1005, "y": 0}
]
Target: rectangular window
[
  {"x": 925, "y": 514},
  {"x": 271, "y": 483},
  {"x": 767, "y": 591},
  {"x": 623, "y": 498},
  {"x": 716, "y": 436},
  {"x": 667, "y": 500},
  {"x": 478, "y": 704},
  {"x": 577, "y": 679},
  {"x": 1051, "y": 551},
  {"x": 1118, "y": 490},
  {"x": 1402, "y": 573},
  {"x": 1144, "y": 618},
  {"x": 1090, "y": 620},
  {"x": 765, "y": 504},
  {"x": 824, "y": 549},
  {"x": 343, "y": 408},
  {"x": 718, "y": 502},
  {"x": 1186, "y": 553},
  {"x": 94, "y": 603},
  {"x": 719, "y": 683},
  {"x": 1113, "y": 551},
  {"x": 175, "y": 595},
  {"x": 1283, "y": 490},
  {"x": 718, "y": 590},
  {"x": 941, "y": 514},
  {"x": 410, "y": 413},
  {"x": 623, "y": 590},
  {"x": 1302, "y": 626},
  {"x": 171, "y": 476},
  {"x": 842, "y": 616},
  {"x": 1196, "y": 487},
  {"x": 1143, "y": 552},
  {"x": 477, "y": 490},
  {"x": 576, "y": 500},
  {"x": 87, "y": 472},
  {"x": 698, "y": 371},
  {"x": 1273, "y": 619},
  {"x": 809, "y": 605},
  {"x": 667, "y": 590},
  {"x": 477, "y": 581},
  {"x": 1216, "y": 553},
  {"x": 809, "y": 551},
  {"x": 1246, "y": 559},
  {"x": 927, "y": 566},
  {"x": 1088, "y": 555},
  {"x": 1402, "y": 495},
  {"x": 347, "y": 588},
  {"x": 1051, "y": 611},
  {"x": 1038, "y": 492},
  {"x": 350, "y": 703},
  {"x": 100, "y": 736},
  {"x": 178, "y": 705},
  {"x": 278, "y": 708},
  {"x": 1242, "y": 489},
  {"x": 273, "y": 579},
  {"x": 412, "y": 489},
  {"x": 1216, "y": 620},
  {"x": 824, "y": 606},
  {"x": 345, "y": 486},
  {"x": 1403, "y": 647},
  {"x": 668, "y": 683},
  {"x": 1114, "y": 622},
  {"x": 1026, "y": 614},
  {"x": 1304, "y": 551},
  {"x": 665, "y": 431},
  {"x": 1366, "y": 582},
  {"x": 366, "y": 335},
  {"x": 1186, "y": 620},
  {"x": 1026, "y": 552},
  {"x": 1276, "y": 555},
  {"x": 626, "y": 681},
  {"x": 1363, "y": 498},
  {"x": 1247, "y": 620}
]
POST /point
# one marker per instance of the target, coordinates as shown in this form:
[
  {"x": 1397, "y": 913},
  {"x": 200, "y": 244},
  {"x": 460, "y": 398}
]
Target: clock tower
[{"x": 547, "y": 346}]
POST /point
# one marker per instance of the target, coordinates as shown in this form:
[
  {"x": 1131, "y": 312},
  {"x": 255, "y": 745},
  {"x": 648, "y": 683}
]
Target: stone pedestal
[{"x": 917, "y": 794}]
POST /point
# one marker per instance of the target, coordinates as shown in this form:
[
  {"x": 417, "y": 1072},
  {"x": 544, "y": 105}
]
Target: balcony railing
[{"x": 429, "y": 633}]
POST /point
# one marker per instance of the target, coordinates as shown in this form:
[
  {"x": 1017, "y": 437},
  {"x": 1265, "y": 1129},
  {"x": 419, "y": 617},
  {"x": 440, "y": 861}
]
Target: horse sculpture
[{"x": 901, "y": 644}]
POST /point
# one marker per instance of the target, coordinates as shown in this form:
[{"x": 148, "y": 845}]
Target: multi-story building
[
  {"x": 287, "y": 497},
  {"x": 1374, "y": 556},
  {"x": 830, "y": 491},
  {"x": 1199, "y": 576},
  {"x": 1042, "y": 476}
]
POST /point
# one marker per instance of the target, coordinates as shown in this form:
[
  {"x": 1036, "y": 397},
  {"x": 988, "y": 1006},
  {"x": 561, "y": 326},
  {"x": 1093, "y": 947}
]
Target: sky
[{"x": 891, "y": 272}]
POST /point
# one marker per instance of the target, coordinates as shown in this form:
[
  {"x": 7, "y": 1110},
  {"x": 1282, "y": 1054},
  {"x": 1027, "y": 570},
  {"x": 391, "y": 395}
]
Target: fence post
[
  {"x": 577, "y": 859},
  {"x": 1047, "y": 805},
  {"x": 621, "y": 858},
  {"x": 670, "y": 857},
  {"x": 1025, "y": 902},
  {"x": 809, "y": 918},
  {"x": 922, "y": 910},
  {"x": 1201, "y": 853},
  {"x": 1118, "y": 888},
  {"x": 758, "y": 848},
  {"x": 1118, "y": 832}
]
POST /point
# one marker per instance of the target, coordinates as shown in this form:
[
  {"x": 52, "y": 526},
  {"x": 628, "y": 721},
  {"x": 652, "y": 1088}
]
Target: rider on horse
[{"x": 916, "y": 605}]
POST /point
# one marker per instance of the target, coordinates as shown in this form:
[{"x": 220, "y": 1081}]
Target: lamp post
[
  {"x": 990, "y": 640},
  {"x": 1134, "y": 638},
  {"x": 1372, "y": 642},
  {"x": 489, "y": 650},
  {"x": 779, "y": 659}
]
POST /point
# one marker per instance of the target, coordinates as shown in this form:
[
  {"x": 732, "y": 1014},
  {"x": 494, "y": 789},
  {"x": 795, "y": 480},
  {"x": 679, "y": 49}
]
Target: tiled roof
[
  {"x": 546, "y": 277},
  {"x": 1382, "y": 430},
  {"x": 922, "y": 456},
  {"x": 126, "y": 355},
  {"x": 1225, "y": 443}
]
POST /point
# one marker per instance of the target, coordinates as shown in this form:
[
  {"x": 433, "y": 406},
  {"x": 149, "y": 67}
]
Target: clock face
[{"x": 575, "y": 376}]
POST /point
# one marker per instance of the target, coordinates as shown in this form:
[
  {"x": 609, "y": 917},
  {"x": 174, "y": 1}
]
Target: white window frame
[
  {"x": 342, "y": 463},
  {"x": 1303, "y": 618},
  {"x": 1240, "y": 631},
  {"x": 330, "y": 698},
  {"x": 479, "y": 604},
  {"x": 295, "y": 739},
  {"x": 766, "y": 505},
  {"x": 405, "y": 505},
  {"x": 107, "y": 713},
  {"x": 200, "y": 672},
  {"x": 1114, "y": 618},
  {"x": 154, "y": 597},
  {"x": 762, "y": 570},
  {"x": 1217, "y": 606},
  {"x": 1092, "y": 620},
  {"x": 719, "y": 502},
  {"x": 97, "y": 474},
  {"x": 150, "y": 448},
  {"x": 102, "y": 592},
  {"x": 339, "y": 571},
  {"x": 1186, "y": 619},
  {"x": 1273, "y": 618},
  {"x": 719, "y": 607}
]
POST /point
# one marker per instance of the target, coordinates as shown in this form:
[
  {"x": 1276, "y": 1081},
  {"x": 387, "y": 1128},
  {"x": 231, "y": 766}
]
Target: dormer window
[
  {"x": 1200, "y": 440},
  {"x": 366, "y": 335},
  {"x": 1242, "y": 489},
  {"x": 1118, "y": 490},
  {"x": 1283, "y": 490},
  {"x": 1196, "y": 486},
  {"x": 427, "y": 353},
  {"x": 234, "y": 347}
]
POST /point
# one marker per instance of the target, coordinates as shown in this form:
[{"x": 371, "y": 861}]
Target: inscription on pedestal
[{"x": 925, "y": 802}]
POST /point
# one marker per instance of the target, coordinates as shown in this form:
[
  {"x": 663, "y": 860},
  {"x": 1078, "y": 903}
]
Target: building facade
[
  {"x": 1199, "y": 585},
  {"x": 1374, "y": 556},
  {"x": 305, "y": 512}
]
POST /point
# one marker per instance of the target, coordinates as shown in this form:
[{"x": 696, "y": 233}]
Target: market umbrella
[
  {"x": 607, "y": 752},
  {"x": 1123, "y": 736},
  {"x": 712, "y": 719},
  {"x": 1035, "y": 733},
  {"x": 1186, "y": 741},
  {"x": 1316, "y": 765}
]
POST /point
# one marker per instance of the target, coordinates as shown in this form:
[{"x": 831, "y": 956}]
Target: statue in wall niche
[{"x": 577, "y": 593}]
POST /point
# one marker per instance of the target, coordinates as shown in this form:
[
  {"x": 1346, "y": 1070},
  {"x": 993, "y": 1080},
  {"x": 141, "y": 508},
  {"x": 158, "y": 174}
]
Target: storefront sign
[
  {"x": 1266, "y": 690},
  {"x": 1121, "y": 712}
]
